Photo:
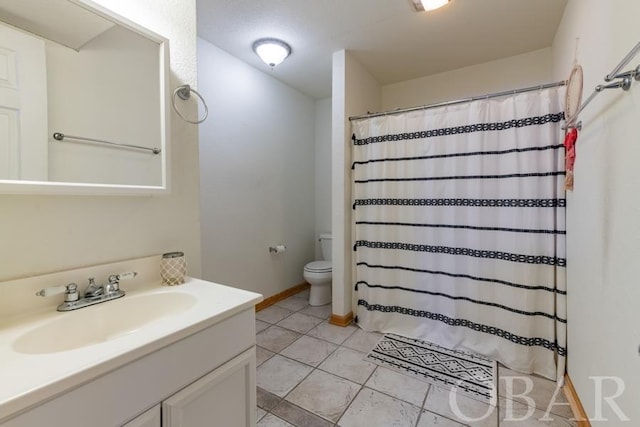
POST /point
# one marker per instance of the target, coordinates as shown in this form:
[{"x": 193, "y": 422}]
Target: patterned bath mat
[{"x": 471, "y": 374}]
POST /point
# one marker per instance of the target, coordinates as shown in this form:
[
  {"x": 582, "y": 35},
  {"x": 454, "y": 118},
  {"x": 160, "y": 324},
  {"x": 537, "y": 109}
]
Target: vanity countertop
[{"x": 28, "y": 378}]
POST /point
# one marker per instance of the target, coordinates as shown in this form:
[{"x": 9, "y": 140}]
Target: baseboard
[
  {"x": 579, "y": 414},
  {"x": 341, "y": 320},
  {"x": 267, "y": 302}
]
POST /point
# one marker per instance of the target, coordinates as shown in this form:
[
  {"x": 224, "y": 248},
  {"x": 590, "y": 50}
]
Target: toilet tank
[{"x": 325, "y": 246}]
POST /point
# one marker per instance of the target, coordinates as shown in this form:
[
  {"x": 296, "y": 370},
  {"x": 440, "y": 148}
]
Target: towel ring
[{"x": 184, "y": 93}]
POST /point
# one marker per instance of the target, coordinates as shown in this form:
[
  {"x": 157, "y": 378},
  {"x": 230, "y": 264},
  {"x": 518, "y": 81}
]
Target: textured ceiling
[{"x": 388, "y": 37}]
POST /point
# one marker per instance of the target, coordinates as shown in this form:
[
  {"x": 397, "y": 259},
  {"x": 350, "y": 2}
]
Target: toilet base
[{"x": 320, "y": 294}]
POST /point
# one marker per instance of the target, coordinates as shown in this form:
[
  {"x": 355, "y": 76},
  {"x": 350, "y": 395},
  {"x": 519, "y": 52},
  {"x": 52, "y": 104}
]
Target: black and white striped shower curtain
[{"x": 459, "y": 228}]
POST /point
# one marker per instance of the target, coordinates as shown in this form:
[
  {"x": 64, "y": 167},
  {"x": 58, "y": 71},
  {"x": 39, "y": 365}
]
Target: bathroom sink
[{"x": 103, "y": 322}]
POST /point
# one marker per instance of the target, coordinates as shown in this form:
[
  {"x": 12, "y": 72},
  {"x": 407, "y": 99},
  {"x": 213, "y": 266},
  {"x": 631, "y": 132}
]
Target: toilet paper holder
[{"x": 278, "y": 249}]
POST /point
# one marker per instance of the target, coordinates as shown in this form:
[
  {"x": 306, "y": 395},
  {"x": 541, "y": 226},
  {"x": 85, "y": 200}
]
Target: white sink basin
[
  {"x": 102, "y": 322},
  {"x": 44, "y": 353}
]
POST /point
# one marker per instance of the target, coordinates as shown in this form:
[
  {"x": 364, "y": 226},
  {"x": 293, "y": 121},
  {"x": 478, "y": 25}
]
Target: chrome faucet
[
  {"x": 93, "y": 290},
  {"x": 94, "y": 294}
]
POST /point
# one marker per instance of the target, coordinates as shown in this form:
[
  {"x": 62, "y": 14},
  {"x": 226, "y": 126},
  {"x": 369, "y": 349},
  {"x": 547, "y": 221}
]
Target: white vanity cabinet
[{"x": 204, "y": 379}]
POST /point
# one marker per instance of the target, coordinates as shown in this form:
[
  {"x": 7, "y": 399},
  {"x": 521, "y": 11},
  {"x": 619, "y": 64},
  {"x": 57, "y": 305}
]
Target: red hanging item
[{"x": 570, "y": 156}]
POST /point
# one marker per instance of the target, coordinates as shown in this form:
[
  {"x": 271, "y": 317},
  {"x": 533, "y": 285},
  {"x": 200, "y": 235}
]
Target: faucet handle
[
  {"x": 51, "y": 291},
  {"x": 70, "y": 292},
  {"x": 127, "y": 276},
  {"x": 116, "y": 278}
]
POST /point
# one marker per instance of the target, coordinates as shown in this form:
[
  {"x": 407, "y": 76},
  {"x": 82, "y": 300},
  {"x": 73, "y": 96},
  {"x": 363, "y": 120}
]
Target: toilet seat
[{"x": 318, "y": 267}]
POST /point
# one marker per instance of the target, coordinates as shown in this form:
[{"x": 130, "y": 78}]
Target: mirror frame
[{"x": 73, "y": 188}]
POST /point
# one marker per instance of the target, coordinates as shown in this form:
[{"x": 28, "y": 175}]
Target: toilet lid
[{"x": 318, "y": 266}]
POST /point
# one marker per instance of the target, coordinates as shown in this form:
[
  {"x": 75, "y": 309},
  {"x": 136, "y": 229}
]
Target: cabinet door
[
  {"x": 225, "y": 397},
  {"x": 151, "y": 418}
]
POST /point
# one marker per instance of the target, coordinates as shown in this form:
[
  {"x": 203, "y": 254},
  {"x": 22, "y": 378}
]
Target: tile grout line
[
  {"x": 354, "y": 397},
  {"x": 317, "y": 368},
  {"x": 281, "y": 399},
  {"x": 314, "y": 368},
  {"x": 300, "y": 382},
  {"x": 424, "y": 402},
  {"x": 424, "y": 408}
]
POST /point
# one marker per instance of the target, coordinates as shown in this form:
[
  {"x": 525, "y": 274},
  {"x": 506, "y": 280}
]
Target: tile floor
[{"x": 313, "y": 374}]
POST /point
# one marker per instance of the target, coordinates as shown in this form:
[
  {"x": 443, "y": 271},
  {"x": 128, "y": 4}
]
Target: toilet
[{"x": 318, "y": 274}]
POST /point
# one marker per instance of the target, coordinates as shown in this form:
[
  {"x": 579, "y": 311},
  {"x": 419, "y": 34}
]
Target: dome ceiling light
[
  {"x": 428, "y": 5},
  {"x": 271, "y": 51}
]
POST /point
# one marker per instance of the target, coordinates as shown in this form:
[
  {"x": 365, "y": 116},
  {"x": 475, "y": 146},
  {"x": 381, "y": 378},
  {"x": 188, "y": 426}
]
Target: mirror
[{"x": 83, "y": 101}]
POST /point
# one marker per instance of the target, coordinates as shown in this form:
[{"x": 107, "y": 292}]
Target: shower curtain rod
[{"x": 460, "y": 101}]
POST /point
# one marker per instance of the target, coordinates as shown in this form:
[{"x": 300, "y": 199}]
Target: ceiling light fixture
[
  {"x": 428, "y": 5},
  {"x": 271, "y": 51}
]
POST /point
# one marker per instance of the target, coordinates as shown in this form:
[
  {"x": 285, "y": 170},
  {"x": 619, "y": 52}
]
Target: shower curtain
[{"x": 459, "y": 228}]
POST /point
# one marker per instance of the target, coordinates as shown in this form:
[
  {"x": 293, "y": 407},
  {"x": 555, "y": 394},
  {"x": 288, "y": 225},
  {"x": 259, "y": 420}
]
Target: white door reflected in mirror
[
  {"x": 23, "y": 122},
  {"x": 88, "y": 73}
]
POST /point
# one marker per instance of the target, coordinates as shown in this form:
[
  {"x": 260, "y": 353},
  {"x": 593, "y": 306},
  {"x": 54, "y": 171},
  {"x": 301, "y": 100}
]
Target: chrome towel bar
[
  {"x": 622, "y": 81},
  {"x": 58, "y": 136}
]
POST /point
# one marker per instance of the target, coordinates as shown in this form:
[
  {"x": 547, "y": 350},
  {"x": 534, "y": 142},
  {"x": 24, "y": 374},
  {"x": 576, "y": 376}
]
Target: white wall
[
  {"x": 528, "y": 69},
  {"x": 42, "y": 234},
  {"x": 257, "y": 175},
  {"x": 354, "y": 91},
  {"x": 322, "y": 158},
  {"x": 603, "y": 227}
]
